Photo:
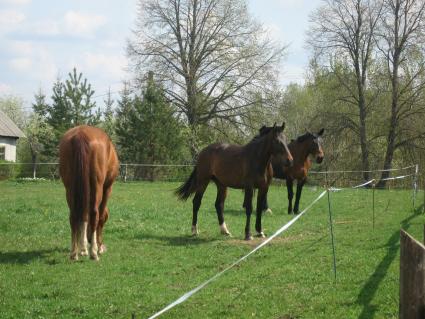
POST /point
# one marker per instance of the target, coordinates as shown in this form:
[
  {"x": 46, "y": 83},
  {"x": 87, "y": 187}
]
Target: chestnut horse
[
  {"x": 244, "y": 167},
  {"x": 309, "y": 144},
  {"x": 88, "y": 165}
]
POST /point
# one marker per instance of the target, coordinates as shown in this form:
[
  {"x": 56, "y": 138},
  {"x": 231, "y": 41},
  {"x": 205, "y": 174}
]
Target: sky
[{"x": 43, "y": 40}]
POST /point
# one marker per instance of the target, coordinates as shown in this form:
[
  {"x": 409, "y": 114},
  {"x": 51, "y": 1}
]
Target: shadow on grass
[
  {"x": 368, "y": 291},
  {"x": 176, "y": 240},
  {"x": 26, "y": 257}
]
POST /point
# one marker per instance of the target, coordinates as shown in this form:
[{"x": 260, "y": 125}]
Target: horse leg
[
  {"x": 197, "y": 199},
  {"x": 300, "y": 185},
  {"x": 94, "y": 219},
  {"x": 289, "y": 183},
  {"x": 219, "y": 207},
  {"x": 83, "y": 238},
  {"x": 103, "y": 217},
  {"x": 248, "y": 207},
  {"x": 261, "y": 200},
  {"x": 73, "y": 222}
]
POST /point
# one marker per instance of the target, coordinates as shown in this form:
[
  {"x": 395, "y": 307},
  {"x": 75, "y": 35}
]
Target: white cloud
[
  {"x": 15, "y": 2},
  {"x": 10, "y": 20},
  {"x": 82, "y": 24},
  {"x": 5, "y": 88},
  {"x": 112, "y": 66},
  {"x": 46, "y": 28},
  {"x": 20, "y": 64}
]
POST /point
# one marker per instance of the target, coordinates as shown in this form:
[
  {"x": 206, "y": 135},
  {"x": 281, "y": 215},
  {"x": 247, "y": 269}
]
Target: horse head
[
  {"x": 279, "y": 142},
  {"x": 315, "y": 144}
]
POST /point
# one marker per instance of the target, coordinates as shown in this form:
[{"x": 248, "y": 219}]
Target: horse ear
[
  {"x": 321, "y": 132},
  {"x": 283, "y": 126}
]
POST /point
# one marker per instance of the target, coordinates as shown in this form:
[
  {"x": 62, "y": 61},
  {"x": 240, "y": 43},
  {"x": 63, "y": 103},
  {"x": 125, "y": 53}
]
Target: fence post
[
  {"x": 373, "y": 205},
  {"x": 415, "y": 185},
  {"x": 125, "y": 173},
  {"x": 412, "y": 277},
  {"x": 34, "y": 171},
  {"x": 332, "y": 234}
]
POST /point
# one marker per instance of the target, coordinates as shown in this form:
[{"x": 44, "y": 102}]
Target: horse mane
[{"x": 305, "y": 136}]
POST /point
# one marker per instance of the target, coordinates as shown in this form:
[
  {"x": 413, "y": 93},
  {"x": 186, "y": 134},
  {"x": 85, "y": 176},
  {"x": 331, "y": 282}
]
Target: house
[{"x": 9, "y": 135}]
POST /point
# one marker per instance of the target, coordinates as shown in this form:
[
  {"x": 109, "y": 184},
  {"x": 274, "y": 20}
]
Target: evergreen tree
[
  {"x": 122, "y": 124},
  {"x": 72, "y": 105},
  {"x": 108, "y": 123},
  {"x": 149, "y": 132}
]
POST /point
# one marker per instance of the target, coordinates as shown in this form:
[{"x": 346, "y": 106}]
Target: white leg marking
[
  {"x": 268, "y": 211},
  {"x": 224, "y": 230},
  {"x": 83, "y": 239},
  {"x": 74, "y": 247},
  {"x": 195, "y": 230},
  {"x": 94, "y": 248},
  {"x": 102, "y": 249}
]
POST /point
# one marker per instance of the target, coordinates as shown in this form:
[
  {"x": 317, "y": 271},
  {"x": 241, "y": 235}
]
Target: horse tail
[
  {"x": 80, "y": 176},
  {"x": 188, "y": 188}
]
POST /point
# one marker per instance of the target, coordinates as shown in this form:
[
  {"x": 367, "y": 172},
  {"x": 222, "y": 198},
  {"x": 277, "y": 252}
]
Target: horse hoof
[
  {"x": 248, "y": 237},
  {"x": 102, "y": 249},
  {"x": 268, "y": 211},
  {"x": 224, "y": 231},
  {"x": 261, "y": 235},
  {"x": 84, "y": 253},
  {"x": 73, "y": 257},
  {"x": 195, "y": 231},
  {"x": 94, "y": 257}
]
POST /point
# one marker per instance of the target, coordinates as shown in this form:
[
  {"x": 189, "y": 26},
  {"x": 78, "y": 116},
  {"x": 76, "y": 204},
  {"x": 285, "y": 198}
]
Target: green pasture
[{"x": 152, "y": 259}]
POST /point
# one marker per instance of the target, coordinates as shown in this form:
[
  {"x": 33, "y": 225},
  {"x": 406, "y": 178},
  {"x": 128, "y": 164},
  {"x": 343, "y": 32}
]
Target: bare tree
[
  {"x": 402, "y": 42},
  {"x": 209, "y": 54},
  {"x": 344, "y": 30}
]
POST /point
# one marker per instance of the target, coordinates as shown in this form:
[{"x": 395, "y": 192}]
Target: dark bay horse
[
  {"x": 309, "y": 144},
  {"x": 88, "y": 165},
  {"x": 245, "y": 167}
]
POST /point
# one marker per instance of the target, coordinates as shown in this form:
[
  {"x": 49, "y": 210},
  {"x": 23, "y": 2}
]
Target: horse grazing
[
  {"x": 88, "y": 165},
  {"x": 309, "y": 144},
  {"x": 243, "y": 167}
]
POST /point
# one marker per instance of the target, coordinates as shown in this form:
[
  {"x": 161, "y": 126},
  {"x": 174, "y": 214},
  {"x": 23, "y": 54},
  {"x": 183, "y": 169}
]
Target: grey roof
[{"x": 8, "y": 128}]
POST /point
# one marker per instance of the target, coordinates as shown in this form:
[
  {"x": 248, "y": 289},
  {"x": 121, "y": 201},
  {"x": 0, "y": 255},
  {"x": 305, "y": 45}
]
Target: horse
[
  {"x": 245, "y": 167},
  {"x": 88, "y": 165},
  {"x": 306, "y": 145}
]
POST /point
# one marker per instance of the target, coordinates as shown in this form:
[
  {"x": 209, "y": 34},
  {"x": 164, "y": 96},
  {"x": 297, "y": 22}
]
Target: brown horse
[
  {"x": 88, "y": 165},
  {"x": 244, "y": 167},
  {"x": 309, "y": 144}
]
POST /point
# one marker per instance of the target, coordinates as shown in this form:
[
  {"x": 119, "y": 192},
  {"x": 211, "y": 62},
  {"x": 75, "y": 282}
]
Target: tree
[
  {"x": 122, "y": 123},
  {"x": 153, "y": 134},
  {"x": 12, "y": 106},
  {"x": 108, "y": 122},
  {"x": 401, "y": 38},
  {"x": 71, "y": 105},
  {"x": 345, "y": 30},
  {"x": 207, "y": 54}
]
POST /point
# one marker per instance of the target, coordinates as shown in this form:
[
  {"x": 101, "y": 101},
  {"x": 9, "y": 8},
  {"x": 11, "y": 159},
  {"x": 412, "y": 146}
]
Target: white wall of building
[{"x": 10, "y": 144}]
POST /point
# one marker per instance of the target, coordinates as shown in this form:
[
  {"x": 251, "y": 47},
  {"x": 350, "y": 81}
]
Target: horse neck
[
  {"x": 300, "y": 151},
  {"x": 261, "y": 151}
]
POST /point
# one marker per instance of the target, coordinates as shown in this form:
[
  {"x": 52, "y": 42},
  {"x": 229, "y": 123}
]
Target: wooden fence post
[{"x": 412, "y": 278}]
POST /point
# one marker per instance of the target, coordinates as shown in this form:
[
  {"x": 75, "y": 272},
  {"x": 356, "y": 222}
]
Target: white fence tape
[{"x": 265, "y": 242}]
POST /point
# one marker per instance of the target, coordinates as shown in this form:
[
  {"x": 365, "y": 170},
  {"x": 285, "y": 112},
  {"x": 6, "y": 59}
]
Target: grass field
[{"x": 152, "y": 260}]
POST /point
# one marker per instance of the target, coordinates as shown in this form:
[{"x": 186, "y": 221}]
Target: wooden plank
[{"x": 412, "y": 277}]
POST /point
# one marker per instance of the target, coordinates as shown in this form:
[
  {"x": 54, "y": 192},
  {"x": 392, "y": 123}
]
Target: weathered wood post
[{"x": 412, "y": 278}]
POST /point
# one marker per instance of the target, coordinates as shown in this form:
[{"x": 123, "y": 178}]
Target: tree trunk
[
  {"x": 389, "y": 154},
  {"x": 362, "y": 124}
]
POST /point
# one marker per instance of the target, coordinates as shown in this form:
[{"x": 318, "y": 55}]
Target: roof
[{"x": 8, "y": 128}]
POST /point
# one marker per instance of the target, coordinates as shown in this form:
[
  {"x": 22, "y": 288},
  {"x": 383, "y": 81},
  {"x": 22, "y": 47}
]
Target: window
[{"x": 2, "y": 153}]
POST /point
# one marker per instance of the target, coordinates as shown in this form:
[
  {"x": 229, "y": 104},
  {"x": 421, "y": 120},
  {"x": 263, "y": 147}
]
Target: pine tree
[
  {"x": 108, "y": 123},
  {"x": 72, "y": 105},
  {"x": 122, "y": 124},
  {"x": 149, "y": 132}
]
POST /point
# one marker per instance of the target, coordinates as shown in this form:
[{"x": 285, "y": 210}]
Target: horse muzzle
[{"x": 319, "y": 159}]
